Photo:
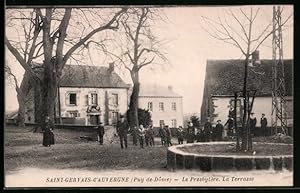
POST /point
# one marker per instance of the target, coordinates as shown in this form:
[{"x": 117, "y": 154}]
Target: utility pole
[{"x": 279, "y": 121}]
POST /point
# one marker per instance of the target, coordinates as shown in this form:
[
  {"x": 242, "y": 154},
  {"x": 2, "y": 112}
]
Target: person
[
  {"x": 219, "y": 130},
  {"x": 201, "y": 135},
  {"x": 263, "y": 125},
  {"x": 48, "y": 135},
  {"x": 180, "y": 135},
  {"x": 141, "y": 133},
  {"x": 146, "y": 136},
  {"x": 252, "y": 123},
  {"x": 190, "y": 133},
  {"x": 168, "y": 136},
  {"x": 207, "y": 130},
  {"x": 162, "y": 135},
  {"x": 122, "y": 129},
  {"x": 100, "y": 133},
  {"x": 151, "y": 135},
  {"x": 229, "y": 122}
]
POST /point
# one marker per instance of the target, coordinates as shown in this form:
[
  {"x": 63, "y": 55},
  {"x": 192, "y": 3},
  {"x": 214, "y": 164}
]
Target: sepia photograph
[{"x": 149, "y": 96}]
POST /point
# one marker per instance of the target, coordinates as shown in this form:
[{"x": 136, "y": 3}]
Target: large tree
[
  {"x": 241, "y": 30},
  {"x": 55, "y": 35},
  {"x": 139, "y": 48}
]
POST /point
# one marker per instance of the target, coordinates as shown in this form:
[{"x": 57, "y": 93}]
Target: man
[
  {"x": 190, "y": 133},
  {"x": 48, "y": 136},
  {"x": 162, "y": 135},
  {"x": 151, "y": 135},
  {"x": 219, "y": 130},
  {"x": 207, "y": 130},
  {"x": 141, "y": 133},
  {"x": 168, "y": 136},
  {"x": 100, "y": 132},
  {"x": 180, "y": 135},
  {"x": 122, "y": 129},
  {"x": 263, "y": 125},
  {"x": 252, "y": 123},
  {"x": 146, "y": 136},
  {"x": 230, "y": 123}
]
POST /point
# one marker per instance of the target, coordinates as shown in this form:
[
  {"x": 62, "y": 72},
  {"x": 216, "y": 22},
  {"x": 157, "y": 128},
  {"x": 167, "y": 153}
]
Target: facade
[
  {"x": 89, "y": 94},
  {"x": 163, "y": 103},
  {"x": 224, "y": 77}
]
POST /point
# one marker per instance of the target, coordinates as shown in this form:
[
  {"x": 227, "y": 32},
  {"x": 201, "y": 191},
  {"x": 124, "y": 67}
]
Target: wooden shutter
[
  {"x": 67, "y": 99},
  {"x": 77, "y": 99},
  {"x": 87, "y": 100}
]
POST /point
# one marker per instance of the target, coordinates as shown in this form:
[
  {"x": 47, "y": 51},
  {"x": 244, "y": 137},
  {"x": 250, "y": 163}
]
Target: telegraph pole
[{"x": 279, "y": 121}]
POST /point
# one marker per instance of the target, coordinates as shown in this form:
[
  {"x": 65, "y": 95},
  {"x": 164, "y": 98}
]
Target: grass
[{"x": 23, "y": 148}]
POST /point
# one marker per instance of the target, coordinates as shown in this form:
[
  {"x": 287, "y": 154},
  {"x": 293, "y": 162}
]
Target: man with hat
[
  {"x": 207, "y": 130},
  {"x": 219, "y": 130},
  {"x": 252, "y": 123},
  {"x": 100, "y": 132},
  {"x": 263, "y": 125},
  {"x": 122, "y": 129}
]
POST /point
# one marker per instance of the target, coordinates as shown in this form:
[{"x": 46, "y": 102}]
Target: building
[
  {"x": 164, "y": 104},
  {"x": 88, "y": 94},
  {"x": 224, "y": 77}
]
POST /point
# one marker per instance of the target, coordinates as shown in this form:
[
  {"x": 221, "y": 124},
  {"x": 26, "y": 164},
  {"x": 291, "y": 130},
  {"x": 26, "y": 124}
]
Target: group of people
[{"x": 165, "y": 135}]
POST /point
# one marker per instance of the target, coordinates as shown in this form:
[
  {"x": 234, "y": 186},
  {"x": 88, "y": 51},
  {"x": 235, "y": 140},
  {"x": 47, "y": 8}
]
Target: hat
[
  {"x": 251, "y": 113},
  {"x": 121, "y": 116},
  {"x": 219, "y": 120},
  {"x": 263, "y": 114}
]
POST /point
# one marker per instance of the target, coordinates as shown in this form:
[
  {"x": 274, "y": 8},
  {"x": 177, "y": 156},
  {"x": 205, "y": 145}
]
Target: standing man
[
  {"x": 168, "y": 136},
  {"x": 252, "y": 123},
  {"x": 263, "y": 125},
  {"x": 207, "y": 130},
  {"x": 190, "y": 133},
  {"x": 219, "y": 130},
  {"x": 141, "y": 134},
  {"x": 162, "y": 135},
  {"x": 122, "y": 129},
  {"x": 146, "y": 136},
  {"x": 180, "y": 135},
  {"x": 151, "y": 135},
  {"x": 100, "y": 132},
  {"x": 230, "y": 123}
]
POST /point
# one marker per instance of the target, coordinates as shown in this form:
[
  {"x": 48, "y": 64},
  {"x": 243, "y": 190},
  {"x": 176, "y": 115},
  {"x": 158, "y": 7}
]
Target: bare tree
[
  {"x": 238, "y": 29},
  {"x": 48, "y": 38},
  {"x": 141, "y": 48}
]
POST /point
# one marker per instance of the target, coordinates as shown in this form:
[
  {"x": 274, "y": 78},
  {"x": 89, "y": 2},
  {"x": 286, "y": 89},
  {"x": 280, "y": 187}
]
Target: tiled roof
[
  {"x": 224, "y": 77},
  {"x": 90, "y": 76},
  {"x": 152, "y": 90}
]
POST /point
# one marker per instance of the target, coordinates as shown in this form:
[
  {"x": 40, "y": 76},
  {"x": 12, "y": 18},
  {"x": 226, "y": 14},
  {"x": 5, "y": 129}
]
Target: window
[
  {"x": 94, "y": 99},
  {"x": 72, "y": 99},
  {"x": 174, "y": 123},
  {"x": 174, "y": 106},
  {"x": 150, "y": 106},
  {"x": 161, "y": 106},
  {"x": 161, "y": 122},
  {"x": 115, "y": 99},
  {"x": 115, "y": 117}
]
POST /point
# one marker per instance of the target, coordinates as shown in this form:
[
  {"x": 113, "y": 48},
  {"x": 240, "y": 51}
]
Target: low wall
[{"x": 178, "y": 159}]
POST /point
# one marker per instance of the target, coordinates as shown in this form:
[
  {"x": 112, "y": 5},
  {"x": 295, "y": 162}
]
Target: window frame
[
  {"x": 72, "y": 104},
  {"x": 161, "y": 106}
]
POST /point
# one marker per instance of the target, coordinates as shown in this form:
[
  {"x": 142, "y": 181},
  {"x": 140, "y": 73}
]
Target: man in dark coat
[
  {"x": 263, "y": 125},
  {"x": 141, "y": 133},
  {"x": 168, "y": 136},
  {"x": 100, "y": 133},
  {"x": 162, "y": 135},
  {"x": 180, "y": 135},
  {"x": 151, "y": 135},
  {"x": 207, "y": 130},
  {"x": 230, "y": 123},
  {"x": 219, "y": 130},
  {"x": 122, "y": 129},
  {"x": 252, "y": 123},
  {"x": 48, "y": 135},
  {"x": 190, "y": 133}
]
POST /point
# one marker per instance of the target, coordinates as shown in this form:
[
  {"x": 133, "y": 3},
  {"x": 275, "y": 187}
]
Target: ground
[
  {"x": 29, "y": 164},
  {"x": 23, "y": 148}
]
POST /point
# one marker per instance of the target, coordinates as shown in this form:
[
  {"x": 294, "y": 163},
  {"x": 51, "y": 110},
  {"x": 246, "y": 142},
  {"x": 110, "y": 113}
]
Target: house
[
  {"x": 164, "y": 104},
  {"x": 88, "y": 94},
  {"x": 224, "y": 77}
]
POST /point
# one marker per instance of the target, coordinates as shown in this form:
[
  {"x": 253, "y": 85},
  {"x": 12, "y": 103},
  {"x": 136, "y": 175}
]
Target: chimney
[
  {"x": 255, "y": 57},
  {"x": 170, "y": 87},
  {"x": 111, "y": 67}
]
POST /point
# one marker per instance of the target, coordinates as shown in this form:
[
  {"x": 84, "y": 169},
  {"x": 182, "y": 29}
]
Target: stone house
[
  {"x": 224, "y": 77},
  {"x": 164, "y": 104}
]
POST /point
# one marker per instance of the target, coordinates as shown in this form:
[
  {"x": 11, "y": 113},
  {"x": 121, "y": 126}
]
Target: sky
[{"x": 189, "y": 47}]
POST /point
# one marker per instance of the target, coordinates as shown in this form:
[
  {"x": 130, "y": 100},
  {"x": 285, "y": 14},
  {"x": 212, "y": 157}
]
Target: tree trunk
[{"x": 245, "y": 110}]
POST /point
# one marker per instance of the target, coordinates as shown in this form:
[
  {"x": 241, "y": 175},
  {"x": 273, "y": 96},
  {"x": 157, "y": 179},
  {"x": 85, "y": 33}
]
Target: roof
[
  {"x": 224, "y": 77},
  {"x": 91, "y": 77},
  {"x": 153, "y": 90}
]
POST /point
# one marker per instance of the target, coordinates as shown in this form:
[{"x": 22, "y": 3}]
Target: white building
[
  {"x": 224, "y": 77},
  {"x": 164, "y": 104}
]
